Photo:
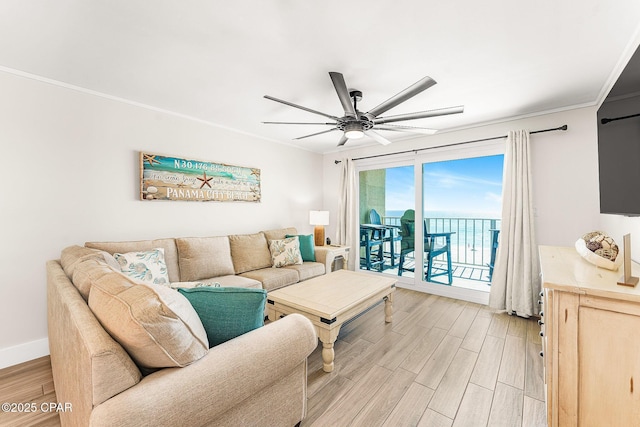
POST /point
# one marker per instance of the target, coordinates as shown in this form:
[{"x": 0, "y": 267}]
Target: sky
[{"x": 471, "y": 187}]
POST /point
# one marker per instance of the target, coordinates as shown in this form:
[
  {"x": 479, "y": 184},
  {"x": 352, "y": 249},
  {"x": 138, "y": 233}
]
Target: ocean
[
  {"x": 472, "y": 241},
  {"x": 449, "y": 214}
]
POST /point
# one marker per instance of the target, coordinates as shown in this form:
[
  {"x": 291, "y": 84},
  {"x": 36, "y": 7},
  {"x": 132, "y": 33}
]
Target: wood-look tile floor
[
  {"x": 29, "y": 383},
  {"x": 441, "y": 362}
]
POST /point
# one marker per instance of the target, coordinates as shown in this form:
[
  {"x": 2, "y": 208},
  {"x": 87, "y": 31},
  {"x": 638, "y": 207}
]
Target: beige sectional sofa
[
  {"x": 241, "y": 260},
  {"x": 258, "y": 378}
]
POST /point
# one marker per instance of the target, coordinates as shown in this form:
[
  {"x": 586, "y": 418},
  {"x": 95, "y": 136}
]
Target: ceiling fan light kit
[
  {"x": 353, "y": 130},
  {"x": 356, "y": 124}
]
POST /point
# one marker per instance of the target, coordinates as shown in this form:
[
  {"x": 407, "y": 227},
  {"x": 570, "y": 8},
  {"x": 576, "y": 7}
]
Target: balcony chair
[
  {"x": 373, "y": 252},
  {"x": 407, "y": 239},
  {"x": 387, "y": 235},
  {"x": 435, "y": 244},
  {"x": 494, "y": 248}
]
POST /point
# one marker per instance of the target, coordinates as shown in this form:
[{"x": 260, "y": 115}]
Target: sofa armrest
[
  {"x": 226, "y": 376},
  {"x": 88, "y": 366},
  {"x": 324, "y": 256}
]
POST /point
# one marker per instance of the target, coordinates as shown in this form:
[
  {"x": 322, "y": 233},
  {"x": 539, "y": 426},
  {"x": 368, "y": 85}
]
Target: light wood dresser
[{"x": 591, "y": 342}]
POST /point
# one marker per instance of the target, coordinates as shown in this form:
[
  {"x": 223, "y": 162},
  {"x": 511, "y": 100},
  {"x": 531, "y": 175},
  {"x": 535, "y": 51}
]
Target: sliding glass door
[{"x": 433, "y": 220}]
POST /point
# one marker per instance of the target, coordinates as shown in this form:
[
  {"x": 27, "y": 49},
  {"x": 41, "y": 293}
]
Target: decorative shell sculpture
[{"x": 600, "y": 249}]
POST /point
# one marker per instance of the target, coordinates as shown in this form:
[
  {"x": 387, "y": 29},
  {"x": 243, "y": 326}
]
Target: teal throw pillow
[
  {"x": 227, "y": 312},
  {"x": 307, "y": 246}
]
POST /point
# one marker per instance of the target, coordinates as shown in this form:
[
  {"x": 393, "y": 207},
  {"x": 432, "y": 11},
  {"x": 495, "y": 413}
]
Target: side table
[{"x": 337, "y": 256}]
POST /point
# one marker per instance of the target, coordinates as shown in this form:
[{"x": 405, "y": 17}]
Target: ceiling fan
[{"x": 355, "y": 124}]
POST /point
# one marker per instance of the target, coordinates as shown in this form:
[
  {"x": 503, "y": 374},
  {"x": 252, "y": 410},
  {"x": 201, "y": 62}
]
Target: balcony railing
[{"x": 472, "y": 243}]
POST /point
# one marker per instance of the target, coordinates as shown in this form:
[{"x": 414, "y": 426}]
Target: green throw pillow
[
  {"x": 307, "y": 246},
  {"x": 227, "y": 312}
]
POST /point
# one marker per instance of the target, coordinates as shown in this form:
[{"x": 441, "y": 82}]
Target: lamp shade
[{"x": 319, "y": 217}]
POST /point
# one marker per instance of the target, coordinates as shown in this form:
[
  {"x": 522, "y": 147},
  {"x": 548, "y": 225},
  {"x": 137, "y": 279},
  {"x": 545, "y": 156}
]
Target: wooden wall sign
[{"x": 174, "y": 178}]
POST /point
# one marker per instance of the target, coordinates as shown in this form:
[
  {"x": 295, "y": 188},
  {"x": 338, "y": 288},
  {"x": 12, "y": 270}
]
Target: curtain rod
[
  {"x": 563, "y": 127},
  {"x": 605, "y": 121}
]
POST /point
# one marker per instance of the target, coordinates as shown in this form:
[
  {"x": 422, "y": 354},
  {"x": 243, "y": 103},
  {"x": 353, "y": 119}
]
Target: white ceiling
[{"x": 214, "y": 60}]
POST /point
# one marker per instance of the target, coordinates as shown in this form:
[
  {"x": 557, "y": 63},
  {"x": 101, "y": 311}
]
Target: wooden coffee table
[{"x": 330, "y": 300}]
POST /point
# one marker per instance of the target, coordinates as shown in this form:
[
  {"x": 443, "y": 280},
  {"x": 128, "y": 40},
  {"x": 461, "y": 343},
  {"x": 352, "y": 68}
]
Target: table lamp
[{"x": 319, "y": 219}]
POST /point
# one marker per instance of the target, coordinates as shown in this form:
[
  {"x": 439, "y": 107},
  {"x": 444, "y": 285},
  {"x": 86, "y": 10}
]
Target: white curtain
[
  {"x": 516, "y": 276},
  {"x": 348, "y": 211}
]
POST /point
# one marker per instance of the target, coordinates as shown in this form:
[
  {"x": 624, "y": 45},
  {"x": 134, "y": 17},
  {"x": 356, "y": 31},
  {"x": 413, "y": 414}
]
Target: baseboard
[
  {"x": 470, "y": 295},
  {"x": 23, "y": 353}
]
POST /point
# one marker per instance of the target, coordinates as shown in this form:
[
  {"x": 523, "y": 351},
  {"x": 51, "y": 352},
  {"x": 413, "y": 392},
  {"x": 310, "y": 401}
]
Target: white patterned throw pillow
[
  {"x": 146, "y": 266},
  {"x": 285, "y": 252}
]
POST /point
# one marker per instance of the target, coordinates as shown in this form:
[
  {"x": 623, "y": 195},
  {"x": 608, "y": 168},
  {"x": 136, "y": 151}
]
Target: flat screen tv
[{"x": 619, "y": 144}]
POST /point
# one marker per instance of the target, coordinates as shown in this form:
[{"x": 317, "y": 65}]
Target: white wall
[
  {"x": 70, "y": 174},
  {"x": 564, "y": 164},
  {"x": 617, "y": 226}
]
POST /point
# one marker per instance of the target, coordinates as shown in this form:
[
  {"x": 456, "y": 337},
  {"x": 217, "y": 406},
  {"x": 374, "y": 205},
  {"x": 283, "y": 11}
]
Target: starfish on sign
[
  {"x": 150, "y": 158},
  {"x": 205, "y": 180}
]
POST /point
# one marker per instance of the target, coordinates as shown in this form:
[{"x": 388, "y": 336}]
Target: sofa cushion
[
  {"x": 233, "y": 281},
  {"x": 307, "y": 246},
  {"x": 155, "y": 324},
  {"x": 204, "y": 257},
  {"x": 308, "y": 270},
  {"x": 227, "y": 312},
  {"x": 146, "y": 266},
  {"x": 88, "y": 271},
  {"x": 279, "y": 233},
  {"x": 249, "y": 252},
  {"x": 285, "y": 252},
  {"x": 169, "y": 246},
  {"x": 273, "y": 278},
  {"x": 74, "y": 255},
  {"x": 230, "y": 281}
]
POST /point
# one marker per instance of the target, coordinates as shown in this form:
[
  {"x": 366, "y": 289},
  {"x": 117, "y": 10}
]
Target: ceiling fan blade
[
  {"x": 343, "y": 93},
  {"x": 410, "y": 92},
  {"x": 411, "y": 129},
  {"x": 375, "y": 135},
  {"x": 290, "y": 104},
  {"x": 342, "y": 141},
  {"x": 420, "y": 115},
  {"x": 317, "y": 133},
  {"x": 297, "y": 123}
]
